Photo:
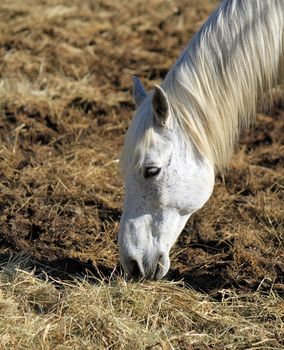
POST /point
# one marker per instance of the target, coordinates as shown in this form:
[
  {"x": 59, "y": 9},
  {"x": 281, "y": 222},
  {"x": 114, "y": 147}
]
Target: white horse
[{"x": 185, "y": 130}]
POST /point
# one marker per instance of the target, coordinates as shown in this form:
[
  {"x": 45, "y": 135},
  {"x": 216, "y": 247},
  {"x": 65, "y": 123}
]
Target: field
[{"x": 65, "y": 104}]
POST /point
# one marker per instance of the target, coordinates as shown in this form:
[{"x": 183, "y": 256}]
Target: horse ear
[
  {"x": 139, "y": 93},
  {"x": 160, "y": 104}
]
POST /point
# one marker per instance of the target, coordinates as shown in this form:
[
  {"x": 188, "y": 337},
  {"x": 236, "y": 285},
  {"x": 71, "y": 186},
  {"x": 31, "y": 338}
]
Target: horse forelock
[{"x": 139, "y": 137}]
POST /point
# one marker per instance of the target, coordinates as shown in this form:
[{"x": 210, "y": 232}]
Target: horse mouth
[
  {"x": 157, "y": 271},
  {"x": 147, "y": 271}
]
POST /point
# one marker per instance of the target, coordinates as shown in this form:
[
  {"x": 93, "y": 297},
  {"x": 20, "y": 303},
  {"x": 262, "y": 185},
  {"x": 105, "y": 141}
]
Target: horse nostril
[{"x": 135, "y": 270}]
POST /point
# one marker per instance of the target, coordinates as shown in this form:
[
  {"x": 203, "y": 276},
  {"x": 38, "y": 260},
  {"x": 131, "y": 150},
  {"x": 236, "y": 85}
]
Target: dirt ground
[{"x": 65, "y": 103}]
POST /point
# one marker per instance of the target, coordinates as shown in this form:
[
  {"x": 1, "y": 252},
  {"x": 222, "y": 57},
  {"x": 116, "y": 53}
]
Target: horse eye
[{"x": 151, "y": 171}]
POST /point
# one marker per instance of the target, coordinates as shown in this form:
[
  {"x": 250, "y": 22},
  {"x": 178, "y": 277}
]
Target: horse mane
[{"x": 228, "y": 69}]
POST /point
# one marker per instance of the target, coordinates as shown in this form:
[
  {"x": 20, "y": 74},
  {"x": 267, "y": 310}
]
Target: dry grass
[
  {"x": 37, "y": 313},
  {"x": 65, "y": 103}
]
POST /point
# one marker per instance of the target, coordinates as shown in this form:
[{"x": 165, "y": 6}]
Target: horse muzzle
[{"x": 146, "y": 266}]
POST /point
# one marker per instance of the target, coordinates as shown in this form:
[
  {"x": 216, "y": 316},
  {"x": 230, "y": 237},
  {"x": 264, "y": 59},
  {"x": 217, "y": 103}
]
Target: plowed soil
[{"x": 65, "y": 104}]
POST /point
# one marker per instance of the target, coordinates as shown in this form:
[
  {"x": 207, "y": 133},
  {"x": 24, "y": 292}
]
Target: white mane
[{"x": 231, "y": 65}]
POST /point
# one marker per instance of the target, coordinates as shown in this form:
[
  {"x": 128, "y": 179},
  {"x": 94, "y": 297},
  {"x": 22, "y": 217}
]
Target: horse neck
[{"x": 231, "y": 64}]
